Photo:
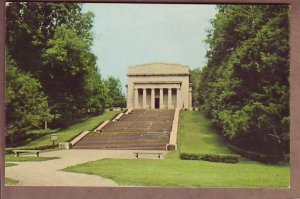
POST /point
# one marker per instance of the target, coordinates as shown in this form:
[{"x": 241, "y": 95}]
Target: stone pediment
[{"x": 158, "y": 69}]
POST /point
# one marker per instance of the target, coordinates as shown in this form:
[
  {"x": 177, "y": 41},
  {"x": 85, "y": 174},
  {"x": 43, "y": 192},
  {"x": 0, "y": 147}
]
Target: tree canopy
[
  {"x": 115, "y": 96},
  {"x": 245, "y": 86},
  {"x": 49, "y": 50}
]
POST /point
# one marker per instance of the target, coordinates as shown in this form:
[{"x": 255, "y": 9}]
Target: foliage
[
  {"x": 52, "y": 42},
  {"x": 115, "y": 96},
  {"x": 273, "y": 159},
  {"x": 226, "y": 158},
  {"x": 195, "y": 78},
  {"x": 245, "y": 86},
  {"x": 27, "y": 106}
]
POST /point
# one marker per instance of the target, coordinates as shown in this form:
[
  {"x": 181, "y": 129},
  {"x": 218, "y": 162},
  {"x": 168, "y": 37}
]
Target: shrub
[
  {"x": 8, "y": 151},
  {"x": 265, "y": 158},
  {"x": 226, "y": 158}
]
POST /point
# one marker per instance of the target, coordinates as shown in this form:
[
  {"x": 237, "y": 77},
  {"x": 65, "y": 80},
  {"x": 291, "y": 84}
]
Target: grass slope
[
  {"x": 196, "y": 134},
  {"x": 72, "y": 131}
]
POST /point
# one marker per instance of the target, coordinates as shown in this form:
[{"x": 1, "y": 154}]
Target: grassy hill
[{"x": 196, "y": 134}]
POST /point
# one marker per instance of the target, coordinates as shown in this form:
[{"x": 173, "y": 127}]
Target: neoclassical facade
[{"x": 159, "y": 86}]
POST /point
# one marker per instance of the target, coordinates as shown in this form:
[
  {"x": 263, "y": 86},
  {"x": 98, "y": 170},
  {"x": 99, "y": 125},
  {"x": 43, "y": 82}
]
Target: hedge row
[
  {"x": 226, "y": 158},
  {"x": 265, "y": 158}
]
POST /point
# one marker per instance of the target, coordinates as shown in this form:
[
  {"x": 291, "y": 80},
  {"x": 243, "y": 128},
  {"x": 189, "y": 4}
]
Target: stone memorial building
[{"x": 159, "y": 86}]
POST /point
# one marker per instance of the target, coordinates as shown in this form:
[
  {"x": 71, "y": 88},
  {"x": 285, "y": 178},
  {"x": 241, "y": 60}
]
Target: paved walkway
[{"x": 47, "y": 173}]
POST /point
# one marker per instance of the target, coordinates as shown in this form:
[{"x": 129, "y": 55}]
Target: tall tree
[
  {"x": 52, "y": 42},
  {"x": 26, "y": 104},
  {"x": 115, "y": 96},
  {"x": 195, "y": 77},
  {"x": 245, "y": 85}
]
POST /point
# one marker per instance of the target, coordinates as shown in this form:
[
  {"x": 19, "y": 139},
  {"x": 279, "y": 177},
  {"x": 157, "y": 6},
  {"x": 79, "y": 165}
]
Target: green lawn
[
  {"x": 71, "y": 132},
  {"x": 196, "y": 134},
  {"x": 187, "y": 173},
  {"x": 12, "y": 158},
  {"x": 10, "y": 181}
]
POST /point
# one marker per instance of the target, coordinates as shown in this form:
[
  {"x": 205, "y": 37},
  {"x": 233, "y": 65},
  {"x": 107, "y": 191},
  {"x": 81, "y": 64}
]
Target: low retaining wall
[
  {"x": 102, "y": 125},
  {"x": 129, "y": 111},
  {"x": 172, "y": 146},
  {"x": 79, "y": 137},
  {"x": 118, "y": 117}
]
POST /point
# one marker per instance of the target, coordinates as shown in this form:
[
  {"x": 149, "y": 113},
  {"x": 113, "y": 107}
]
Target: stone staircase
[{"x": 140, "y": 129}]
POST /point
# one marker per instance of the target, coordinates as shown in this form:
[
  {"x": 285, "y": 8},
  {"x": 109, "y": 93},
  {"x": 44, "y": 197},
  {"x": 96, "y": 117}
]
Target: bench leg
[
  {"x": 137, "y": 156},
  {"x": 37, "y": 154},
  {"x": 158, "y": 156}
]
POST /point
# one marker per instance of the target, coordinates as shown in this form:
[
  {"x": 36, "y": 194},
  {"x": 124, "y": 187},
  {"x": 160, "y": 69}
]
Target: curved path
[{"x": 47, "y": 173}]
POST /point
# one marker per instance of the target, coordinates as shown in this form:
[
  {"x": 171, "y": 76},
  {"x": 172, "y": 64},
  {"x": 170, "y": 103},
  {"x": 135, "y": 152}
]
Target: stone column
[
  {"x": 152, "y": 98},
  {"x": 178, "y": 95},
  {"x": 144, "y": 98},
  {"x": 136, "y": 98},
  {"x": 169, "y": 98},
  {"x": 161, "y": 98}
]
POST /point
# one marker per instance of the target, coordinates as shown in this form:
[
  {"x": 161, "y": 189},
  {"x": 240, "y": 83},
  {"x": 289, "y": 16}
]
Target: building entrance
[{"x": 156, "y": 104}]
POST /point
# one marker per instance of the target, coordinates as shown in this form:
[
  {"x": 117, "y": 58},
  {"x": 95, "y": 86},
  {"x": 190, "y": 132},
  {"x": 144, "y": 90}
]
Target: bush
[
  {"x": 226, "y": 158},
  {"x": 265, "y": 158},
  {"x": 8, "y": 151}
]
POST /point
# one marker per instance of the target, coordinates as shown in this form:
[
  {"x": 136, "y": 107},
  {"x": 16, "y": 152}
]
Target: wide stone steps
[{"x": 140, "y": 130}]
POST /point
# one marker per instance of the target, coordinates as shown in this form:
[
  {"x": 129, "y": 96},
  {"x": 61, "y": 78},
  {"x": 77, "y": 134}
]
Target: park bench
[
  {"x": 19, "y": 151},
  {"x": 154, "y": 153}
]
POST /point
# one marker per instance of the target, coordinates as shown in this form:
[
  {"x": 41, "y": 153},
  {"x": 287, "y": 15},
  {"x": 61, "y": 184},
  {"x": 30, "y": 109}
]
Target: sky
[{"x": 133, "y": 34}]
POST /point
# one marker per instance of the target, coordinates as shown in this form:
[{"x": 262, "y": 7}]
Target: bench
[
  {"x": 17, "y": 152},
  {"x": 155, "y": 153}
]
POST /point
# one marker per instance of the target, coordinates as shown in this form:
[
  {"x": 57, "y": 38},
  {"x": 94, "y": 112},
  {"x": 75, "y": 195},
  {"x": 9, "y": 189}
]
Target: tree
[
  {"x": 26, "y": 104},
  {"x": 195, "y": 77},
  {"x": 115, "y": 96},
  {"x": 52, "y": 42},
  {"x": 245, "y": 85}
]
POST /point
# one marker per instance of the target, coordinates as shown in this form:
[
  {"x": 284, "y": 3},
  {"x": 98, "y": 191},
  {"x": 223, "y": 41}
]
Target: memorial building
[{"x": 159, "y": 86}]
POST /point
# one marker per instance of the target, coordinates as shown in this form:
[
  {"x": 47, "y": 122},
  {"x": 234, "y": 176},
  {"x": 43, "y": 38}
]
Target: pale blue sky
[{"x": 131, "y": 34}]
